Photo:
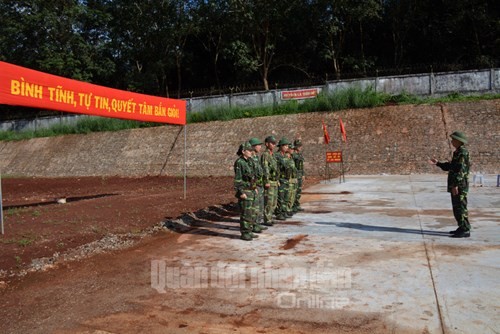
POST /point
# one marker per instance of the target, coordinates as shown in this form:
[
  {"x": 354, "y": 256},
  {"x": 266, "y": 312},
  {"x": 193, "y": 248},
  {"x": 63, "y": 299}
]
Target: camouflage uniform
[
  {"x": 458, "y": 174},
  {"x": 271, "y": 175},
  {"x": 292, "y": 184},
  {"x": 245, "y": 183},
  {"x": 298, "y": 158},
  {"x": 285, "y": 172},
  {"x": 258, "y": 204}
]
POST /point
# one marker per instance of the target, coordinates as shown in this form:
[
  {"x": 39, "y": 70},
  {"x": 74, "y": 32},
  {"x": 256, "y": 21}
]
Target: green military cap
[
  {"x": 460, "y": 136},
  {"x": 255, "y": 141},
  {"x": 284, "y": 141},
  {"x": 297, "y": 143},
  {"x": 270, "y": 139},
  {"x": 246, "y": 146}
]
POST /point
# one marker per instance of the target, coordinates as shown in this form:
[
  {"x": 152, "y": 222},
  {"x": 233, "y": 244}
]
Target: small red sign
[
  {"x": 299, "y": 94},
  {"x": 335, "y": 156}
]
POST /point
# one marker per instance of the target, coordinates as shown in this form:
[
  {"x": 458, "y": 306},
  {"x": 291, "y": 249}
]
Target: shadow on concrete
[
  {"x": 207, "y": 222},
  {"x": 376, "y": 228}
]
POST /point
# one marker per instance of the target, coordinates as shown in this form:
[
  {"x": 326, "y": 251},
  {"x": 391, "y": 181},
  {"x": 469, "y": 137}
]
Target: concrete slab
[{"x": 372, "y": 250}]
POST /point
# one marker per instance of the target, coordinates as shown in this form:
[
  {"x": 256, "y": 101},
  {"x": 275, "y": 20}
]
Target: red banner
[
  {"x": 342, "y": 130},
  {"x": 326, "y": 136},
  {"x": 20, "y": 86}
]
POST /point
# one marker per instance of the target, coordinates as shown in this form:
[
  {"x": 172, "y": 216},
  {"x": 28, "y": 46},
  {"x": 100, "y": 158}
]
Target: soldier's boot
[
  {"x": 267, "y": 223},
  {"x": 261, "y": 226},
  {"x": 257, "y": 229},
  {"x": 254, "y": 236},
  {"x": 461, "y": 234},
  {"x": 289, "y": 214},
  {"x": 299, "y": 208},
  {"x": 246, "y": 236},
  {"x": 281, "y": 216}
]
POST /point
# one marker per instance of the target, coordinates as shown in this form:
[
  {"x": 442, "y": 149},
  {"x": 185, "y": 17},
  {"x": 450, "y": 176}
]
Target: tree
[
  {"x": 49, "y": 35},
  {"x": 261, "y": 25},
  {"x": 214, "y": 22}
]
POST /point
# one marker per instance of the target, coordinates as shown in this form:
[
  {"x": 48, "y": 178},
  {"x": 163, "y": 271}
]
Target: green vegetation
[
  {"x": 351, "y": 98},
  {"x": 82, "y": 126},
  {"x": 24, "y": 241}
]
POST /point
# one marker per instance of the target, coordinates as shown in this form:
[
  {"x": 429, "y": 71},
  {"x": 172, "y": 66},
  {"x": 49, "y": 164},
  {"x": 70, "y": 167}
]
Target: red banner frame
[{"x": 21, "y": 86}]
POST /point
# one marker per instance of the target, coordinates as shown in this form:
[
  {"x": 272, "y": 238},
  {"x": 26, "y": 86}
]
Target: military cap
[
  {"x": 255, "y": 141},
  {"x": 283, "y": 141},
  {"x": 270, "y": 139},
  {"x": 460, "y": 136},
  {"x": 246, "y": 146},
  {"x": 297, "y": 143}
]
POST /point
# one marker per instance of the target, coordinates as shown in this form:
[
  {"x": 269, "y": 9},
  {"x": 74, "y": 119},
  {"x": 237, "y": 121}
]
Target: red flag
[
  {"x": 326, "y": 136},
  {"x": 342, "y": 130}
]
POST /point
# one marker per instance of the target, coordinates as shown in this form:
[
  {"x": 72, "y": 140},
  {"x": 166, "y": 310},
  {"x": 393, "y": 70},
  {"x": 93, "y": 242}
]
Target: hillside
[{"x": 389, "y": 139}]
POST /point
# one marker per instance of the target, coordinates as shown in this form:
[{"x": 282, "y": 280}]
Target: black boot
[{"x": 461, "y": 234}]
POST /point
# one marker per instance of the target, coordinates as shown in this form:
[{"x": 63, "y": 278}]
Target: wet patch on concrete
[
  {"x": 462, "y": 250},
  {"x": 296, "y": 222},
  {"x": 292, "y": 242},
  {"x": 318, "y": 211},
  {"x": 378, "y": 202},
  {"x": 327, "y": 193}
]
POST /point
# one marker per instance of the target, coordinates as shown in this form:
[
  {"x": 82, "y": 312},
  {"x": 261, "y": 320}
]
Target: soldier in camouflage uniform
[
  {"x": 458, "y": 183},
  {"x": 298, "y": 158},
  {"x": 270, "y": 180},
  {"x": 292, "y": 181},
  {"x": 259, "y": 197},
  {"x": 245, "y": 186},
  {"x": 285, "y": 172}
]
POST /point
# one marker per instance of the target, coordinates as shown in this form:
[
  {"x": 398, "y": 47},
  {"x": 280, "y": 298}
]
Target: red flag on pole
[
  {"x": 326, "y": 136},
  {"x": 342, "y": 130}
]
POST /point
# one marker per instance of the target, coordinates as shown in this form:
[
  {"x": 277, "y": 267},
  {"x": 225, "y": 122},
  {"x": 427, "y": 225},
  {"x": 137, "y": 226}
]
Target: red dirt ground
[{"x": 37, "y": 226}]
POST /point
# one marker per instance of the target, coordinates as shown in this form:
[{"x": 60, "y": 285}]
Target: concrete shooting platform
[{"x": 374, "y": 248}]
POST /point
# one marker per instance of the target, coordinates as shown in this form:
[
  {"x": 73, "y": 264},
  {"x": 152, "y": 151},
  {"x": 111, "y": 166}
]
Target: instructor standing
[{"x": 458, "y": 183}]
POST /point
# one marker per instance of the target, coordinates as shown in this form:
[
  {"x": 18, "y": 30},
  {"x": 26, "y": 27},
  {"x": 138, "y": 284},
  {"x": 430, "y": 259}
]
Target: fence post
[
  {"x": 492, "y": 79},
  {"x": 431, "y": 82}
]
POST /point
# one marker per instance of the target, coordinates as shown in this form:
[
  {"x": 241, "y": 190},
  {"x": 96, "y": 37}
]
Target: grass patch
[
  {"x": 82, "y": 126},
  {"x": 25, "y": 240}
]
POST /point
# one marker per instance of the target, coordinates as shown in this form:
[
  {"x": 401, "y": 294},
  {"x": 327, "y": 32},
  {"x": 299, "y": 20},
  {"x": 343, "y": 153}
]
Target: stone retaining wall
[{"x": 390, "y": 139}]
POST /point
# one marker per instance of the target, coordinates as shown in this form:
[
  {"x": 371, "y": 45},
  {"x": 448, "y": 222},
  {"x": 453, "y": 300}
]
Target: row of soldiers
[{"x": 267, "y": 184}]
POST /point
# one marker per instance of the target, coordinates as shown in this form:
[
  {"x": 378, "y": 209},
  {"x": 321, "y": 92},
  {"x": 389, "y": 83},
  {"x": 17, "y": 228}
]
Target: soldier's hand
[
  {"x": 433, "y": 161},
  {"x": 454, "y": 191},
  {"x": 243, "y": 196},
  {"x": 257, "y": 190},
  {"x": 267, "y": 185}
]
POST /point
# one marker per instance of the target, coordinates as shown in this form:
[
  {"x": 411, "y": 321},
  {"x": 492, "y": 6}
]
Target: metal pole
[
  {"x": 185, "y": 159},
  {"x": 1, "y": 204}
]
